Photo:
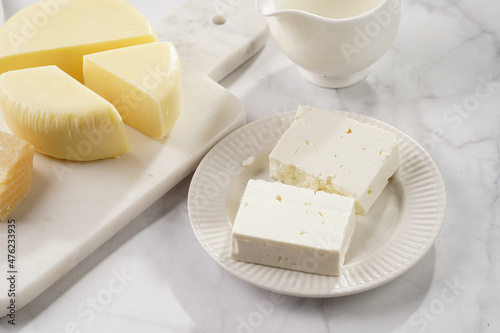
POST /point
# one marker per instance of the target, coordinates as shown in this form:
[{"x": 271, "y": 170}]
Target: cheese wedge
[
  {"x": 16, "y": 165},
  {"x": 143, "y": 82},
  {"x": 60, "y": 32},
  {"x": 60, "y": 116}
]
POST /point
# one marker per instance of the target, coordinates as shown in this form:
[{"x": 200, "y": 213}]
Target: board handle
[{"x": 214, "y": 37}]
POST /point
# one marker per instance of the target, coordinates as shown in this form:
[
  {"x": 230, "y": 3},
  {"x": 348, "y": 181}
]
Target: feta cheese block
[
  {"x": 143, "y": 82},
  {"x": 56, "y": 32},
  {"x": 326, "y": 151},
  {"x": 293, "y": 228},
  {"x": 16, "y": 166},
  {"x": 60, "y": 116}
]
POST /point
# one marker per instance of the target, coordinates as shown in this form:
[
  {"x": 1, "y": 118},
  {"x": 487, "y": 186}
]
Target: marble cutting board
[
  {"x": 73, "y": 208},
  {"x": 2, "y": 17}
]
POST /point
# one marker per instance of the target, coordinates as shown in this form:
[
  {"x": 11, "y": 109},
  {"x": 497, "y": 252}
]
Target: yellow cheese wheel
[
  {"x": 16, "y": 165},
  {"x": 60, "y": 116},
  {"x": 61, "y": 32},
  {"x": 143, "y": 82}
]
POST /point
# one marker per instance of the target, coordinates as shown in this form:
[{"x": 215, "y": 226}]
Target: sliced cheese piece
[
  {"x": 60, "y": 116},
  {"x": 293, "y": 228},
  {"x": 143, "y": 82},
  {"x": 16, "y": 165},
  {"x": 326, "y": 151},
  {"x": 57, "y": 32}
]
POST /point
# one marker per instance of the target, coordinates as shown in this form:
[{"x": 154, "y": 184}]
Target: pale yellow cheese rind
[
  {"x": 143, "y": 82},
  {"x": 61, "y": 32},
  {"x": 16, "y": 166},
  {"x": 60, "y": 116}
]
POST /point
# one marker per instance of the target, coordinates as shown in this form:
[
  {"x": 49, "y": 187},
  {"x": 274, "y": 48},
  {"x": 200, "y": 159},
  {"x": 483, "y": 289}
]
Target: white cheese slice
[
  {"x": 293, "y": 228},
  {"x": 326, "y": 151}
]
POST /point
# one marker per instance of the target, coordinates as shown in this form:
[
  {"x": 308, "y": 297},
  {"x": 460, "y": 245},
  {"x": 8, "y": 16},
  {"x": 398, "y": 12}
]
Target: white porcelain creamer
[{"x": 333, "y": 42}]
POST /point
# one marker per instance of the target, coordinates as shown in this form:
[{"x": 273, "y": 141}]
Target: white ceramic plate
[{"x": 396, "y": 233}]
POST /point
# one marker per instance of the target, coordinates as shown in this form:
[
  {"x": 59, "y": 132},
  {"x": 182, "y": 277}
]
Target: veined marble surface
[{"x": 440, "y": 84}]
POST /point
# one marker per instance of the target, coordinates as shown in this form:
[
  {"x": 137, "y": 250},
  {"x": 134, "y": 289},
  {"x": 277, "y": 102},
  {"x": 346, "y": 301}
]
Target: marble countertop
[{"x": 440, "y": 84}]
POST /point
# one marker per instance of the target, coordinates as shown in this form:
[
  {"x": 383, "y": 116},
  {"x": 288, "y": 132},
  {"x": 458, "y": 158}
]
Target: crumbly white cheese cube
[
  {"x": 293, "y": 228},
  {"x": 248, "y": 162},
  {"x": 325, "y": 151}
]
